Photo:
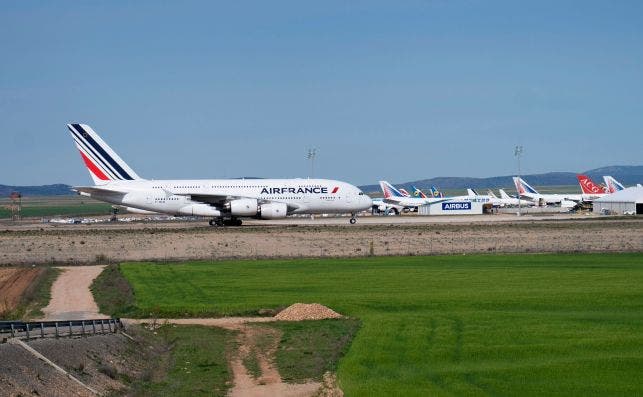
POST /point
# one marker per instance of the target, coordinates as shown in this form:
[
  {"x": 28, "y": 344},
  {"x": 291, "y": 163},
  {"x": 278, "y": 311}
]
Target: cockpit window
[{"x": 360, "y": 193}]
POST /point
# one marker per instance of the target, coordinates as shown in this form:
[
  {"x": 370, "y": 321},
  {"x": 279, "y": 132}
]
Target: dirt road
[
  {"x": 13, "y": 284},
  {"x": 71, "y": 297}
]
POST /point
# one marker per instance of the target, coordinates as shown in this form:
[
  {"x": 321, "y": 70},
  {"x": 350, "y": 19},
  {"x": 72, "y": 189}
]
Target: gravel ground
[{"x": 80, "y": 245}]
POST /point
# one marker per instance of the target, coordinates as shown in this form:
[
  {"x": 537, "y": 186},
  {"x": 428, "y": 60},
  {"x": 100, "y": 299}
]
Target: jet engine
[
  {"x": 242, "y": 207},
  {"x": 273, "y": 210},
  {"x": 199, "y": 210}
]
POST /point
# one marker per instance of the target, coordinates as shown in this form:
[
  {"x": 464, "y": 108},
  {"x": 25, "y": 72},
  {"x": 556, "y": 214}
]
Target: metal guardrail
[{"x": 64, "y": 328}]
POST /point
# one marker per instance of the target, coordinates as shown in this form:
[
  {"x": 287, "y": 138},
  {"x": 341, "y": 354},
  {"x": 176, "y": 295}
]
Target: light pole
[
  {"x": 311, "y": 156},
  {"x": 517, "y": 153}
]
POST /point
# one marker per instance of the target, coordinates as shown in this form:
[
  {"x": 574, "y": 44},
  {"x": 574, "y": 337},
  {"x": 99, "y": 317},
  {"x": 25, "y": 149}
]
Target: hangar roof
[{"x": 629, "y": 195}]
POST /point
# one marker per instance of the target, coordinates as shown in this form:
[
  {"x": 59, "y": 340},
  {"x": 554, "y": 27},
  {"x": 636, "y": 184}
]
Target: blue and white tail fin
[
  {"x": 417, "y": 192},
  {"x": 612, "y": 184},
  {"x": 102, "y": 162},
  {"x": 523, "y": 187},
  {"x": 471, "y": 193},
  {"x": 389, "y": 191}
]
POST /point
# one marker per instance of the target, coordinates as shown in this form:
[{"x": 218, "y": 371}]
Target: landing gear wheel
[
  {"x": 353, "y": 219},
  {"x": 211, "y": 222},
  {"x": 237, "y": 222}
]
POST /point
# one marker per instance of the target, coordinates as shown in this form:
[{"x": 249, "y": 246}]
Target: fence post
[
  {"x": 82, "y": 327},
  {"x": 42, "y": 330},
  {"x": 56, "y": 329},
  {"x": 13, "y": 332},
  {"x": 27, "y": 331},
  {"x": 94, "y": 326},
  {"x": 70, "y": 331}
]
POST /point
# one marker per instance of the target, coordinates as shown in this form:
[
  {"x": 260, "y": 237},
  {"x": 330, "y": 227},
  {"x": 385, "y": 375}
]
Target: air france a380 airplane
[{"x": 223, "y": 200}]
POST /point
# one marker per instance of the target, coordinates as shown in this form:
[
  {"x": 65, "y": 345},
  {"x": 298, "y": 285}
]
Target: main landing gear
[
  {"x": 225, "y": 222},
  {"x": 353, "y": 219}
]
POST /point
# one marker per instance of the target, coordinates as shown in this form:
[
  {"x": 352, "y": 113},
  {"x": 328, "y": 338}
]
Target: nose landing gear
[{"x": 353, "y": 219}]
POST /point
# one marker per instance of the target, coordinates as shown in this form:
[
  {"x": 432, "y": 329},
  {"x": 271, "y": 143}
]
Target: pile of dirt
[{"x": 304, "y": 311}]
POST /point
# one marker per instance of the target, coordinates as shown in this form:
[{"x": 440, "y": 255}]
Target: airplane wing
[
  {"x": 220, "y": 199},
  {"x": 89, "y": 190}
]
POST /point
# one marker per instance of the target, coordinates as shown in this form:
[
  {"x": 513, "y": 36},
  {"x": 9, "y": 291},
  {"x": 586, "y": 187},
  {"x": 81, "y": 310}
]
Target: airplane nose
[{"x": 368, "y": 202}]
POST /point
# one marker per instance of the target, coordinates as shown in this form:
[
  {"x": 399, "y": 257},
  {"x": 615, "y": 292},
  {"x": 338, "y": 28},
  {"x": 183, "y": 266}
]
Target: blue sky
[{"x": 394, "y": 90}]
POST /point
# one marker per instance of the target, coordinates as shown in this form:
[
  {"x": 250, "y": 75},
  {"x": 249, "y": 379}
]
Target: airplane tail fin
[
  {"x": 504, "y": 194},
  {"x": 389, "y": 191},
  {"x": 523, "y": 187},
  {"x": 588, "y": 186},
  {"x": 417, "y": 192},
  {"x": 471, "y": 193},
  {"x": 435, "y": 192},
  {"x": 405, "y": 192},
  {"x": 612, "y": 184},
  {"x": 102, "y": 162},
  {"x": 491, "y": 194}
]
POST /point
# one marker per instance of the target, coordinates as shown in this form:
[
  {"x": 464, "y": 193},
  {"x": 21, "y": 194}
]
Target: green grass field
[
  {"x": 447, "y": 325},
  {"x": 34, "y": 207}
]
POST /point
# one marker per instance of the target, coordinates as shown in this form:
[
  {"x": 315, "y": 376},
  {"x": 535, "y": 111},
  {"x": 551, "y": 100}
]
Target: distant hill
[
  {"x": 44, "y": 190},
  {"x": 626, "y": 174}
]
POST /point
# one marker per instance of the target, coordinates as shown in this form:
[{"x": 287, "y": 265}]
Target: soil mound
[{"x": 304, "y": 311}]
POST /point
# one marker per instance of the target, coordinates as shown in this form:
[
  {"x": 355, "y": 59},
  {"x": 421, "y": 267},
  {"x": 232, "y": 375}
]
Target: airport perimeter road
[
  {"x": 295, "y": 238},
  {"x": 414, "y": 219},
  {"x": 36, "y": 225}
]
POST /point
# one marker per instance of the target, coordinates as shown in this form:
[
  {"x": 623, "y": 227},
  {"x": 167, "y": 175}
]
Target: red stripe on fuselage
[
  {"x": 335, "y": 189},
  {"x": 92, "y": 167}
]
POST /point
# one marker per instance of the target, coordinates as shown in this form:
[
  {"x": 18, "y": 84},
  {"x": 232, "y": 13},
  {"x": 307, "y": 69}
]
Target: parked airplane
[
  {"x": 379, "y": 206},
  {"x": 509, "y": 200},
  {"x": 394, "y": 196},
  {"x": 591, "y": 190},
  {"x": 489, "y": 198},
  {"x": 225, "y": 201},
  {"x": 524, "y": 189}
]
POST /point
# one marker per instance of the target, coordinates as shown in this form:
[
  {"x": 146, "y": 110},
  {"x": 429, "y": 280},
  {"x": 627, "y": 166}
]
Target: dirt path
[
  {"x": 13, "y": 283},
  {"x": 70, "y": 294},
  {"x": 269, "y": 383}
]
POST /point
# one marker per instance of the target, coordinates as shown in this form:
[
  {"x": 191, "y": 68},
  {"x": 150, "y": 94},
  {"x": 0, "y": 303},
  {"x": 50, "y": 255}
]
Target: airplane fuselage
[{"x": 300, "y": 196}]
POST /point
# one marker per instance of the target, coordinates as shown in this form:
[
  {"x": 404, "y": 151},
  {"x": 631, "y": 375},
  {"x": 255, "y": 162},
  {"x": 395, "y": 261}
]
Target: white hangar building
[{"x": 627, "y": 201}]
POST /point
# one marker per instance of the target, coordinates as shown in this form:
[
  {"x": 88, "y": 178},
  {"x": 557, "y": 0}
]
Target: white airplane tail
[
  {"x": 504, "y": 194},
  {"x": 491, "y": 194},
  {"x": 471, "y": 193},
  {"x": 102, "y": 162}
]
